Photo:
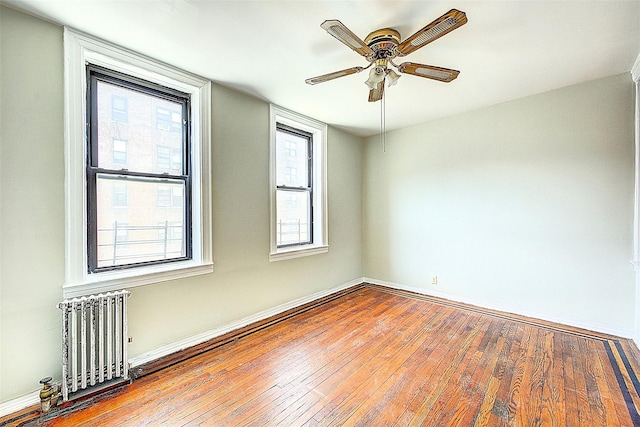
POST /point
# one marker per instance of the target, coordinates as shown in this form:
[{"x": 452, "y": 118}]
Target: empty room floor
[{"x": 379, "y": 356}]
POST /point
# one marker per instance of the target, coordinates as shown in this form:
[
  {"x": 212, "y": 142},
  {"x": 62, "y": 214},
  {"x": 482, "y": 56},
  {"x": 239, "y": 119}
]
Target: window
[
  {"x": 290, "y": 148},
  {"x": 168, "y": 120},
  {"x": 294, "y": 195},
  {"x": 119, "y": 152},
  {"x": 138, "y": 198},
  {"x": 119, "y": 195},
  {"x": 298, "y": 186},
  {"x": 119, "y": 109},
  {"x": 141, "y": 179},
  {"x": 170, "y": 196},
  {"x": 169, "y": 158}
]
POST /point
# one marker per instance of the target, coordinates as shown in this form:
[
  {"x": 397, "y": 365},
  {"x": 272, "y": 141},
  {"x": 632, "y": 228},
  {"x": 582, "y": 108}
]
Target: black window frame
[
  {"x": 280, "y": 127},
  {"x": 95, "y": 74}
]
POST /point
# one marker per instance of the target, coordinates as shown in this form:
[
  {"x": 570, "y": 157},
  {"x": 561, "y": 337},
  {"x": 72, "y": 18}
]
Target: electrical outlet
[{"x": 434, "y": 280}]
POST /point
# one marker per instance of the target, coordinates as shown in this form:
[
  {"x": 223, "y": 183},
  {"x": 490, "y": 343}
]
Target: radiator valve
[{"x": 48, "y": 395}]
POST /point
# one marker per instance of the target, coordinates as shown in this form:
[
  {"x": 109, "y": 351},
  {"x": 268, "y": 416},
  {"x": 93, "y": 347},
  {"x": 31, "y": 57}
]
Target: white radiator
[{"x": 94, "y": 342}]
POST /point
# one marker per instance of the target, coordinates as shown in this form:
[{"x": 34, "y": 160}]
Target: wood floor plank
[
  {"x": 604, "y": 390},
  {"x": 376, "y": 356},
  {"x": 515, "y": 391},
  {"x": 551, "y": 407},
  {"x": 488, "y": 398},
  {"x": 568, "y": 385}
]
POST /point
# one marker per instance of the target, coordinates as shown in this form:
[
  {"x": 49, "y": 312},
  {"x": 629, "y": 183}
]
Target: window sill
[
  {"x": 283, "y": 254},
  {"x": 116, "y": 280}
]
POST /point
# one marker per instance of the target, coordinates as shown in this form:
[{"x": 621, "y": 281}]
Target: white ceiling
[{"x": 507, "y": 50}]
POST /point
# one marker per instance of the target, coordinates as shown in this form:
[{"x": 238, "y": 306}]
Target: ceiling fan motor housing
[{"x": 384, "y": 43}]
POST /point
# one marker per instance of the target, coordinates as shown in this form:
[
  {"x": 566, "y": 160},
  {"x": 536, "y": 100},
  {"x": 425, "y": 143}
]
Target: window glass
[
  {"x": 294, "y": 214},
  {"x": 146, "y": 201},
  {"x": 119, "y": 152},
  {"x": 148, "y": 204},
  {"x": 119, "y": 109},
  {"x": 292, "y": 159},
  {"x": 293, "y": 217},
  {"x": 143, "y": 132}
]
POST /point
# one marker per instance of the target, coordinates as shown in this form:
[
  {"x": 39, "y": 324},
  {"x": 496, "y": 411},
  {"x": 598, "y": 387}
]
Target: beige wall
[
  {"x": 244, "y": 282},
  {"x": 525, "y": 206}
]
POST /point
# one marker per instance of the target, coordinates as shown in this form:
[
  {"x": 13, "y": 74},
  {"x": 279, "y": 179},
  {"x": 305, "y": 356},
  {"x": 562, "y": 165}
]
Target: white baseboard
[
  {"x": 208, "y": 335},
  {"x": 20, "y": 403},
  {"x": 595, "y": 327}
]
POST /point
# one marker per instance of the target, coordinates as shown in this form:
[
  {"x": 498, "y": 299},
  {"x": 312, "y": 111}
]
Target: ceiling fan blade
[
  {"x": 428, "y": 71},
  {"x": 338, "y": 30},
  {"x": 326, "y": 77},
  {"x": 438, "y": 28},
  {"x": 376, "y": 93}
]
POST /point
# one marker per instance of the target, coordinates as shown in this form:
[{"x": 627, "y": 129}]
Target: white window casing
[
  {"x": 318, "y": 129},
  {"x": 80, "y": 50}
]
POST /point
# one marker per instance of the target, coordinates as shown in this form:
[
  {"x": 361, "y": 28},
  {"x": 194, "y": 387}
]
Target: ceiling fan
[{"x": 382, "y": 46}]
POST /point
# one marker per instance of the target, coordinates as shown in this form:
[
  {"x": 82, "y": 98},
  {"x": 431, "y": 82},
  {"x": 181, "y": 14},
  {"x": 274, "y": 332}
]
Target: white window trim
[
  {"x": 635, "y": 76},
  {"x": 81, "y": 49},
  {"x": 320, "y": 210}
]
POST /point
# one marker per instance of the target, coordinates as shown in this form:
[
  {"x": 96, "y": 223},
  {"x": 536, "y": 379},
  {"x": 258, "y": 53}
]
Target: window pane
[
  {"x": 147, "y": 224},
  {"x": 293, "y": 217},
  {"x": 292, "y": 160},
  {"x": 119, "y": 152},
  {"x": 151, "y": 122}
]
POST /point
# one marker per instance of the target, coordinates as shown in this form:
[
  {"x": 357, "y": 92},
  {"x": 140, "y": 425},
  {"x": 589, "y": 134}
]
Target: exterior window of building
[
  {"x": 119, "y": 151},
  {"x": 298, "y": 182},
  {"x": 168, "y": 120},
  {"x": 138, "y": 196},
  {"x": 119, "y": 195},
  {"x": 170, "y": 196},
  {"x": 290, "y": 173},
  {"x": 169, "y": 158},
  {"x": 141, "y": 179},
  {"x": 290, "y": 148},
  {"x": 119, "y": 109},
  {"x": 164, "y": 157}
]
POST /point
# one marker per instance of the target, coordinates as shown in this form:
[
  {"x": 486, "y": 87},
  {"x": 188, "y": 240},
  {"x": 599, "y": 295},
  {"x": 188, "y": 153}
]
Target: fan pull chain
[{"x": 383, "y": 124}]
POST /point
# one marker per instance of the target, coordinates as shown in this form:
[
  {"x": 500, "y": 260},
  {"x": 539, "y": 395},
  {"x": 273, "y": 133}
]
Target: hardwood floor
[{"x": 376, "y": 356}]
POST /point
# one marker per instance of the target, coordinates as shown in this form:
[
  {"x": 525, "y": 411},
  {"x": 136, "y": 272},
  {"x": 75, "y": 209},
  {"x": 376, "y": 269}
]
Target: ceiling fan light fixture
[
  {"x": 375, "y": 77},
  {"x": 392, "y": 78}
]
